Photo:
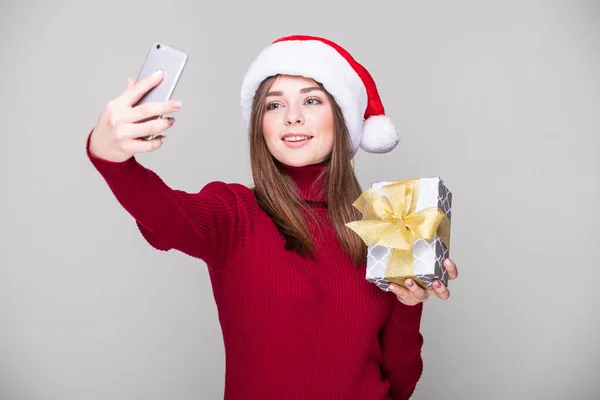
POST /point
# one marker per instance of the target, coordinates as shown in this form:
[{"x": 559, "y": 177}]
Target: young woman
[{"x": 299, "y": 320}]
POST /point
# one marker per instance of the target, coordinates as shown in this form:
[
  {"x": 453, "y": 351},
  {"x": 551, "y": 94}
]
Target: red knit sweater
[{"x": 293, "y": 328}]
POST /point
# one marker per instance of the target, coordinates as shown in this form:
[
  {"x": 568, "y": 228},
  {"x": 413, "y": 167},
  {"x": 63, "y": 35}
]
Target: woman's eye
[
  {"x": 272, "y": 106},
  {"x": 313, "y": 101}
]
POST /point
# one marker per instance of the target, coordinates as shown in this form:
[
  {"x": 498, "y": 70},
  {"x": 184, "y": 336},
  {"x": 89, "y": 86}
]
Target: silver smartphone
[{"x": 172, "y": 62}]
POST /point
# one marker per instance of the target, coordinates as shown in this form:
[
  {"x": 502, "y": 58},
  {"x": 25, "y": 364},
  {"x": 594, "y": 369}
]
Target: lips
[{"x": 295, "y": 137}]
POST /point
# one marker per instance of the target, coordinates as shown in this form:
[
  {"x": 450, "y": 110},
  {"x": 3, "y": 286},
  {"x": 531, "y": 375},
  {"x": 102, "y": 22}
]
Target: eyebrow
[{"x": 304, "y": 90}]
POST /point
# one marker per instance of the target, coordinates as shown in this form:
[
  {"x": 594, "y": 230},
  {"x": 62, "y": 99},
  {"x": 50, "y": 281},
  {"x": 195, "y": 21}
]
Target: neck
[{"x": 309, "y": 179}]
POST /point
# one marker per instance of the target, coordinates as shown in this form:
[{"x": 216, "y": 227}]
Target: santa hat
[{"x": 343, "y": 77}]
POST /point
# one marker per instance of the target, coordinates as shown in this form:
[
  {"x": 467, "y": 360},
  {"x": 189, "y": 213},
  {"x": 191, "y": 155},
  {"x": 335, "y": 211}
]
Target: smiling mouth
[{"x": 296, "y": 138}]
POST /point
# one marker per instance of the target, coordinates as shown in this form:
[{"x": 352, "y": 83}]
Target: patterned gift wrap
[{"x": 402, "y": 206}]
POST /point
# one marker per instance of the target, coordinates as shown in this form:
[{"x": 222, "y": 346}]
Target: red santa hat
[{"x": 343, "y": 77}]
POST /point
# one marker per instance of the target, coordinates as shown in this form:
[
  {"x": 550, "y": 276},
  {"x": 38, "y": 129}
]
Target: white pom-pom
[{"x": 379, "y": 135}]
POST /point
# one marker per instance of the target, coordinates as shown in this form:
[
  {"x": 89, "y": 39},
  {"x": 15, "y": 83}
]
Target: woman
[{"x": 298, "y": 318}]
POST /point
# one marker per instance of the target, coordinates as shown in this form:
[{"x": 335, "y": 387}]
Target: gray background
[{"x": 499, "y": 98}]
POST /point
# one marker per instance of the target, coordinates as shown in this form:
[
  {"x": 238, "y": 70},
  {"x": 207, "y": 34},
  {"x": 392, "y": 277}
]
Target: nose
[{"x": 294, "y": 116}]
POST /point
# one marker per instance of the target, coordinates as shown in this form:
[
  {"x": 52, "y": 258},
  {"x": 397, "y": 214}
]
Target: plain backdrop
[{"x": 501, "y": 99}]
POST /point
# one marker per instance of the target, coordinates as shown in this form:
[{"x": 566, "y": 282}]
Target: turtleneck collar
[{"x": 308, "y": 179}]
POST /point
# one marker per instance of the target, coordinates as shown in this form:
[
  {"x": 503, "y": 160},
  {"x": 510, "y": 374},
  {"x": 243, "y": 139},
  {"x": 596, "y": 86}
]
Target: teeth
[{"x": 296, "y": 138}]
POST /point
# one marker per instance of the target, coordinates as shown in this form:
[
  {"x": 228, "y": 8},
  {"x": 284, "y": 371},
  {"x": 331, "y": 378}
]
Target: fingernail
[
  {"x": 157, "y": 72},
  {"x": 392, "y": 287},
  {"x": 171, "y": 120},
  {"x": 437, "y": 284},
  {"x": 176, "y": 105},
  {"x": 409, "y": 282},
  {"x": 447, "y": 262}
]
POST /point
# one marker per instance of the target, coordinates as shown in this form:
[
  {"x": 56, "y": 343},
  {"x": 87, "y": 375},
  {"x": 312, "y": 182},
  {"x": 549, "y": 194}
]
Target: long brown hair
[{"x": 276, "y": 192}]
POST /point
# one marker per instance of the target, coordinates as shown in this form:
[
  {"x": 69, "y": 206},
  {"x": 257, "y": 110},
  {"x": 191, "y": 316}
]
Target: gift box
[{"x": 406, "y": 226}]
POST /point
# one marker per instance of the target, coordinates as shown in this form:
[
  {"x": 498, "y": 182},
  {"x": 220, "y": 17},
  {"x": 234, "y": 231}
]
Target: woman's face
[{"x": 298, "y": 121}]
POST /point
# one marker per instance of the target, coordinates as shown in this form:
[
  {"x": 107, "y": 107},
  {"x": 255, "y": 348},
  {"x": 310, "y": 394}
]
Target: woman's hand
[
  {"x": 115, "y": 136},
  {"x": 415, "y": 294}
]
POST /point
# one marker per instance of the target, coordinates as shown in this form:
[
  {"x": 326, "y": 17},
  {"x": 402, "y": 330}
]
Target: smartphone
[{"x": 172, "y": 62}]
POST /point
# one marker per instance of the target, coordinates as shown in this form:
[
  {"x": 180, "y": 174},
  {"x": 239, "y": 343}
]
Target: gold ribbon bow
[{"x": 391, "y": 221}]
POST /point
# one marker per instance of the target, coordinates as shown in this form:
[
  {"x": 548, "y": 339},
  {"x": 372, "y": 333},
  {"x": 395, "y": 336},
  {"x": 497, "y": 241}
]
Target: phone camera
[{"x": 158, "y": 46}]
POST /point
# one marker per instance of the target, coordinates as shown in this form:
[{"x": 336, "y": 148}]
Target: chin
[
  {"x": 300, "y": 160},
  {"x": 294, "y": 162}
]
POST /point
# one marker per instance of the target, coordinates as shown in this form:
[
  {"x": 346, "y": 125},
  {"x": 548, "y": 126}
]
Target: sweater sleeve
[
  {"x": 401, "y": 343},
  {"x": 207, "y": 225}
]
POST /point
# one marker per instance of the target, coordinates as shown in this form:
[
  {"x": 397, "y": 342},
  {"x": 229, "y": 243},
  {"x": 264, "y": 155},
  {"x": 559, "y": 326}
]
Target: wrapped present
[{"x": 406, "y": 226}]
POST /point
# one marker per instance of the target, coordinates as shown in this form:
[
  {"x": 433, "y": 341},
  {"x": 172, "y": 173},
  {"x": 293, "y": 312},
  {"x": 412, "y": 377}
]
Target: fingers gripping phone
[{"x": 172, "y": 62}]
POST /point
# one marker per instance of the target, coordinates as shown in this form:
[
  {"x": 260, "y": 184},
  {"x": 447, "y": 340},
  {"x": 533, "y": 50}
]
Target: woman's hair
[{"x": 276, "y": 192}]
